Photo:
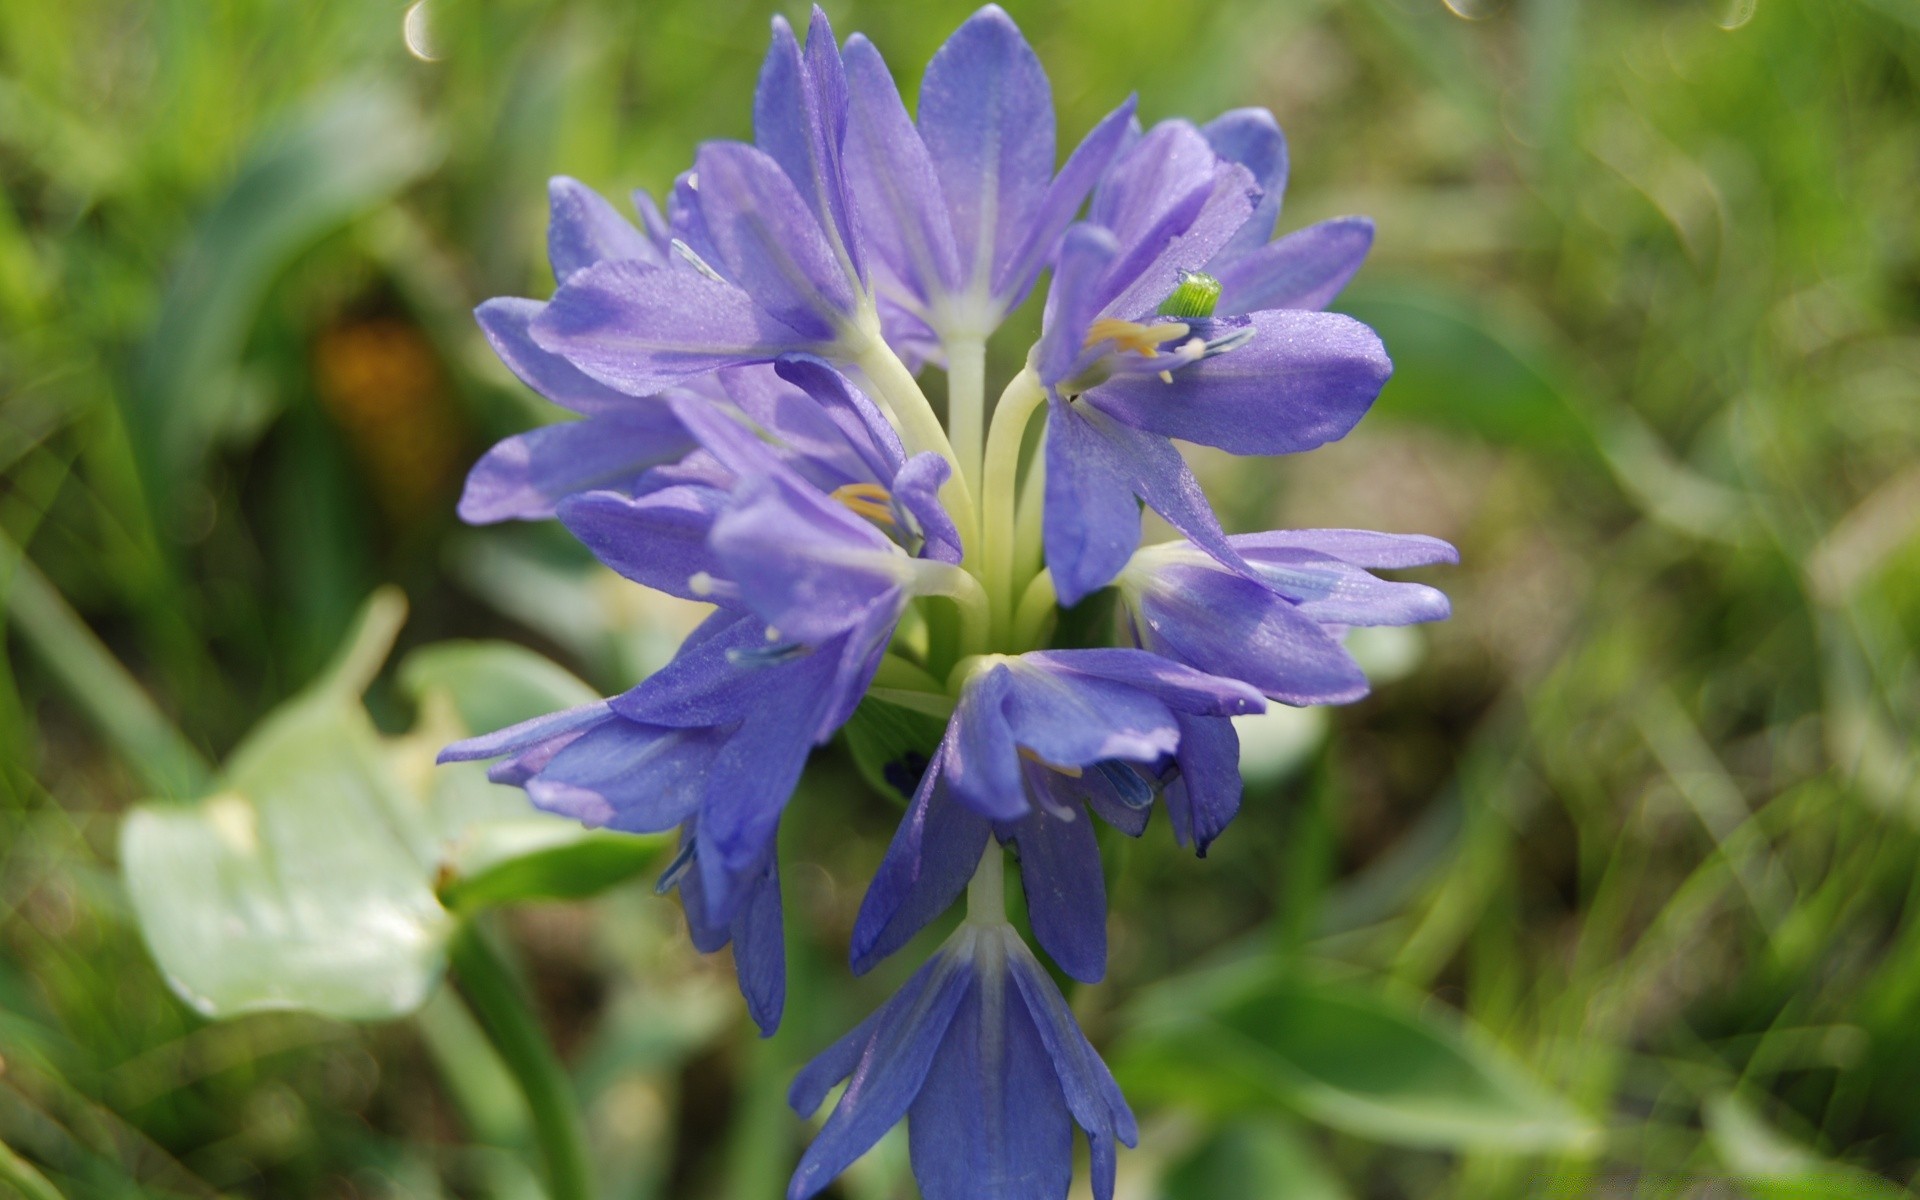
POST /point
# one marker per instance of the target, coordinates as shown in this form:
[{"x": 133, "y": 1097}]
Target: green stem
[
  {"x": 1036, "y": 605},
  {"x": 987, "y": 893},
  {"x": 967, "y": 404},
  {"x": 998, "y": 491},
  {"x": 24, "y": 1179},
  {"x": 935, "y": 578},
  {"x": 1029, "y": 523},
  {"x": 501, "y": 1003},
  {"x": 920, "y": 426},
  {"x": 897, "y": 672},
  {"x": 94, "y": 678}
]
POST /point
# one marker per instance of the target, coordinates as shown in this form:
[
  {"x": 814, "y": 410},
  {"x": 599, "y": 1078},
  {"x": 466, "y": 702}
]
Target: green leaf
[
  {"x": 1460, "y": 365},
  {"x": 1771, "y": 1166},
  {"x": 309, "y": 879},
  {"x": 892, "y": 745},
  {"x": 569, "y": 868},
  {"x": 492, "y": 684},
  {"x": 1253, "y": 1159},
  {"x": 1345, "y": 1057},
  {"x": 300, "y": 885}
]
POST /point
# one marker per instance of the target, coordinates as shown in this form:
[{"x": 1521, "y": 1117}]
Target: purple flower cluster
[{"x": 753, "y": 433}]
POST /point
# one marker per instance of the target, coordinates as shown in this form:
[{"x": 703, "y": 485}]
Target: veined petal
[
  {"x": 759, "y": 945},
  {"x": 806, "y": 564},
  {"x": 1066, "y": 890},
  {"x": 555, "y": 726},
  {"x": 584, "y": 229},
  {"x": 659, "y": 539},
  {"x": 626, "y": 776},
  {"x": 917, "y": 490},
  {"x": 1205, "y": 795},
  {"x": 1086, "y": 252},
  {"x": 1304, "y": 379},
  {"x": 1225, "y": 624},
  {"x": 507, "y": 322},
  {"x": 1149, "y": 269},
  {"x": 982, "y": 759},
  {"x": 885, "y": 1061},
  {"x": 766, "y": 240},
  {"x": 1089, "y": 160},
  {"x": 1252, "y": 138},
  {"x": 525, "y": 477},
  {"x": 642, "y": 329},
  {"x": 986, "y": 116},
  {"x": 1360, "y": 547},
  {"x": 1075, "y": 719},
  {"x": 1305, "y": 269},
  {"x": 989, "y": 1122},
  {"x": 897, "y": 200},
  {"x": 932, "y": 856},
  {"x": 1181, "y": 688},
  {"x": 1091, "y": 522},
  {"x": 800, "y": 121},
  {"x": 1085, "y": 1083}
]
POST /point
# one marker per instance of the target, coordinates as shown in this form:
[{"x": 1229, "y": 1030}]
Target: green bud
[{"x": 1195, "y": 296}]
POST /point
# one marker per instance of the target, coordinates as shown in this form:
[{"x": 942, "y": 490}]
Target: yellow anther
[
  {"x": 1069, "y": 772},
  {"x": 1144, "y": 340},
  {"x": 868, "y": 500}
]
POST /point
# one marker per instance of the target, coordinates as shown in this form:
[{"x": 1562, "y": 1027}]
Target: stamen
[
  {"x": 1144, "y": 340},
  {"x": 868, "y": 500},
  {"x": 1069, "y": 772}
]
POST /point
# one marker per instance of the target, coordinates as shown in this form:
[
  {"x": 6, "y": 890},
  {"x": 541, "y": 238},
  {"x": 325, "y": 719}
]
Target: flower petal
[
  {"x": 800, "y": 121},
  {"x": 766, "y": 240},
  {"x": 1066, "y": 891},
  {"x": 1181, "y": 688},
  {"x": 1305, "y": 269},
  {"x": 1069, "y": 188},
  {"x": 1252, "y": 138},
  {"x": 885, "y": 1061},
  {"x": 507, "y": 322},
  {"x": 990, "y": 1120},
  {"x": 584, "y": 229},
  {"x": 1305, "y": 379},
  {"x": 641, "y": 329},
  {"x": 627, "y": 776},
  {"x": 1231, "y": 626},
  {"x": 986, "y": 116},
  {"x": 1074, "y": 299},
  {"x": 1205, "y": 795},
  {"x": 659, "y": 539},
  {"x": 523, "y": 478},
  {"x": 932, "y": 856},
  {"x": 982, "y": 760},
  {"x": 1091, "y": 520},
  {"x": 903, "y": 216}
]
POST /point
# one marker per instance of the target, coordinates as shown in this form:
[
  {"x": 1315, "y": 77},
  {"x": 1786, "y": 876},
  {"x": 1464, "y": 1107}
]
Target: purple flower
[
  {"x": 1035, "y": 744},
  {"x": 801, "y": 508},
  {"x": 961, "y": 208},
  {"x": 1124, "y": 379},
  {"x": 1280, "y": 629},
  {"x": 712, "y": 743},
  {"x": 981, "y": 1055}
]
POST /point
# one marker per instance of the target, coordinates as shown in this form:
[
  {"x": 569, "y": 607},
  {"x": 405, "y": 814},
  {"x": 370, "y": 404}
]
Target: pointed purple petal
[
  {"x": 1069, "y": 188},
  {"x": 626, "y": 776},
  {"x": 1361, "y": 547},
  {"x": 903, "y": 217},
  {"x": 990, "y": 1120},
  {"x": 1074, "y": 299},
  {"x": 507, "y": 322},
  {"x": 642, "y": 329},
  {"x": 1227, "y": 625},
  {"x": 986, "y": 116},
  {"x": 1206, "y": 795},
  {"x": 982, "y": 758},
  {"x": 659, "y": 539},
  {"x": 800, "y": 120},
  {"x": 1252, "y": 138},
  {"x": 766, "y": 239},
  {"x": 1092, "y": 522},
  {"x": 1066, "y": 892},
  {"x": 1181, "y": 688},
  {"x": 1305, "y": 269},
  {"x": 525, "y": 477},
  {"x": 584, "y": 229},
  {"x": 1305, "y": 379},
  {"x": 932, "y": 856},
  {"x": 898, "y": 1048}
]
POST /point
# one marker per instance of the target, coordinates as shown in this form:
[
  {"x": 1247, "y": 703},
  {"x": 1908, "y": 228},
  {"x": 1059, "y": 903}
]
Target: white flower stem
[
  {"x": 893, "y": 385},
  {"x": 934, "y": 578},
  {"x": 1037, "y": 604},
  {"x": 987, "y": 893},
  {"x": 998, "y": 492},
  {"x": 967, "y": 404}
]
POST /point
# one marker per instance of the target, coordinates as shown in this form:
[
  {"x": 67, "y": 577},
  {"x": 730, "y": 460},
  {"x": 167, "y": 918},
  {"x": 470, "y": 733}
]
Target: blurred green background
[{"x": 1645, "y": 811}]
